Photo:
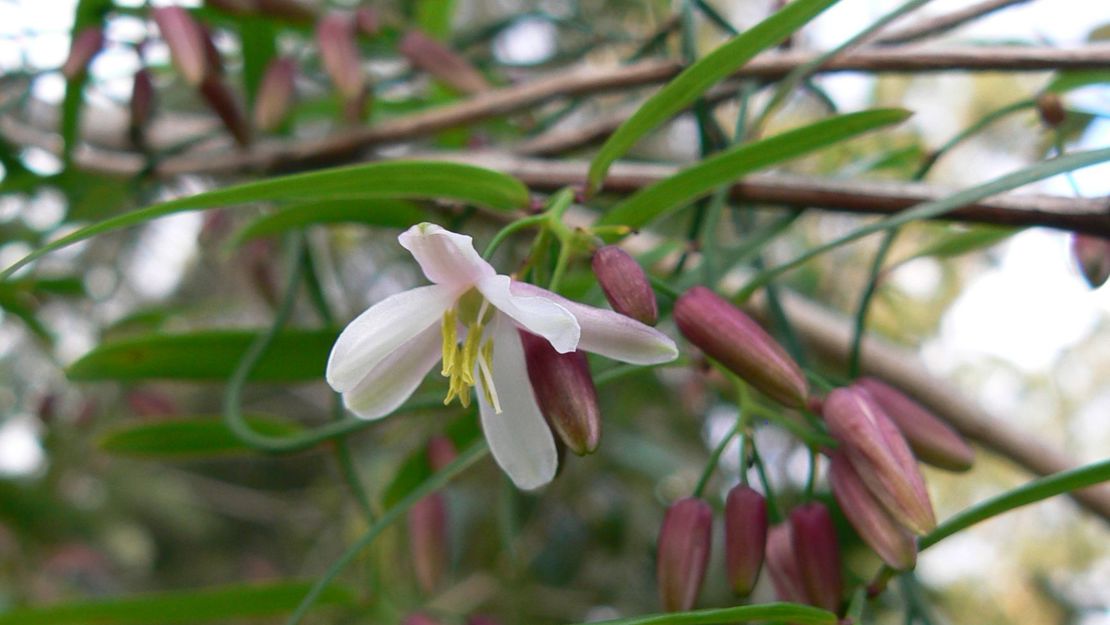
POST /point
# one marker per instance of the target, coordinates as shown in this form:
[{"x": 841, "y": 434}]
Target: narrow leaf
[
  {"x": 702, "y": 178},
  {"x": 779, "y": 612},
  {"x": 394, "y": 179},
  {"x": 964, "y": 241},
  {"x": 698, "y": 78},
  {"x": 189, "y": 437},
  {"x": 379, "y": 212},
  {"x": 295, "y": 355}
]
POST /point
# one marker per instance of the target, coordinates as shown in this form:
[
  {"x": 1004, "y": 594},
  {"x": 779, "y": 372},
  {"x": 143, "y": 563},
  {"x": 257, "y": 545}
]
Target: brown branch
[
  {"x": 943, "y": 23},
  {"x": 830, "y": 335}
]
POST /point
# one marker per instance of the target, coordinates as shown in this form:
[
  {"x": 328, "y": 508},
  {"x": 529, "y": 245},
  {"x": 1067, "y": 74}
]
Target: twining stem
[{"x": 715, "y": 458}]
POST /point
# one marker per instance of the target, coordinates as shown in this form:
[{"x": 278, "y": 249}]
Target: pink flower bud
[
  {"x": 745, "y": 537},
  {"x": 222, "y": 102},
  {"x": 565, "y": 393},
  {"x": 683, "y": 553},
  {"x": 275, "y": 94},
  {"x": 894, "y": 544},
  {"x": 817, "y": 555},
  {"x": 931, "y": 440},
  {"x": 335, "y": 36},
  {"x": 428, "y": 542},
  {"x": 84, "y": 47},
  {"x": 1092, "y": 256},
  {"x": 441, "y": 452},
  {"x": 368, "y": 22},
  {"x": 880, "y": 456},
  {"x": 782, "y": 566},
  {"x": 726, "y": 334},
  {"x": 187, "y": 43},
  {"x": 142, "y": 103},
  {"x": 625, "y": 284},
  {"x": 442, "y": 62}
]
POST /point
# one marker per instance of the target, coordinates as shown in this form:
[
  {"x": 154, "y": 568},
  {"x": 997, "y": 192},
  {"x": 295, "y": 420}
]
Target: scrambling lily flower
[{"x": 469, "y": 319}]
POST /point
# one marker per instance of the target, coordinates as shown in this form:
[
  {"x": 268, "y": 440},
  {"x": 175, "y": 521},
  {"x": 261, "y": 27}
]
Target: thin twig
[{"x": 941, "y": 24}]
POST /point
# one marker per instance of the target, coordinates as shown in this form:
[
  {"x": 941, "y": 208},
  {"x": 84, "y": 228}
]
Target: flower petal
[
  {"x": 445, "y": 257},
  {"x": 610, "y": 334},
  {"x": 518, "y": 437},
  {"x": 393, "y": 380},
  {"x": 382, "y": 328},
  {"x": 539, "y": 315}
]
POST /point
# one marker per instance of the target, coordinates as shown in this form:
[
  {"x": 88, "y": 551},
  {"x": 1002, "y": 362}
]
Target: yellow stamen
[
  {"x": 485, "y": 365},
  {"x": 450, "y": 340}
]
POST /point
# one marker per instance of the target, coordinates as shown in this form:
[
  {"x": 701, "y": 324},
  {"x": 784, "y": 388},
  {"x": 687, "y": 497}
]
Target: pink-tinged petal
[
  {"x": 383, "y": 328},
  {"x": 610, "y": 334},
  {"x": 186, "y": 41},
  {"x": 393, "y": 380},
  {"x": 539, "y": 315},
  {"x": 518, "y": 436},
  {"x": 444, "y": 256}
]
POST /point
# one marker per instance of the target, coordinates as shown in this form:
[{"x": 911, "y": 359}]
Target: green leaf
[
  {"x": 780, "y": 612},
  {"x": 393, "y": 179},
  {"x": 380, "y": 212},
  {"x": 1067, "y": 81},
  {"x": 219, "y": 603},
  {"x": 434, "y": 18},
  {"x": 257, "y": 36},
  {"x": 188, "y": 437},
  {"x": 296, "y": 355},
  {"x": 959, "y": 242},
  {"x": 702, "y": 178},
  {"x": 698, "y": 78}
]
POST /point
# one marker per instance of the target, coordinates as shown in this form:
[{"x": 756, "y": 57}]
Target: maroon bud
[
  {"x": 565, "y": 393},
  {"x": 187, "y": 43},
  {"x": 428, "y": 541},
  {"x": 442, "y": 62},
  {"x": 441, "y": 452},
  {"x": 625, "y": 284},
  {"x": 745, "y": 537},
  {"x": 894, "y": 544},
  {"x": 880, "y": 455},
  {"x": 683, "y": 553},
  {"x": 275, "y": 94},
  {"x": 142, "y": 103},
  {"x": 335, "y": 36},
  {"x": 931, "y": 440},
  {"x": 222, "y": 102},
  {"x": 368, "y": 22},
  {"x": 726, "y": 334},
  {"x": 211, "y": 52},
  {"x": 1051, "y": 109},
  {"x": 419, "y": 619},
  {"x": 289, "y": 10},
  {"x": 817, "y": 555},
  {"x": 1092, "y": 256},
  {"x": 84, "y": 47},
  {"x": 782, "y": 566}
]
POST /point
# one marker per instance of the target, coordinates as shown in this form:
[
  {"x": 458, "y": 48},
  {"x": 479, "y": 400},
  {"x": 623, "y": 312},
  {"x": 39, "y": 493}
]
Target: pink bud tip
[
  {"x": 186, "y": 41},
  {"x": 275, "y": 94},
  {"x": 817, "y": 555},
  {"x": 683, "y": 553},
  {"x": 880, "y": 455},
  {"x": 782, "y": 565},
  {"x": 84, "y": 47},
  {"x": 892, "y": 542},
  {"x": 745, "y": 537},
  {"x": 335, "y": 36},
  {"x": 565, "y": 392},
  {"x": 732, "y": 338},
  {"x": 428, "y": 542},
  {"x": 442, "y": 62},
  {"x": 1092, "y": 256},
  {"x": 625, "y": 284},
  {"x": 931, "y": 440}
]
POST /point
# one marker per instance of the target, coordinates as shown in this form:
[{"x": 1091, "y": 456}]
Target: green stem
[
  {"x": 714, "y": 459},
  {"x": 768, "y": 490},
  {"x": 508, "y": 230}
]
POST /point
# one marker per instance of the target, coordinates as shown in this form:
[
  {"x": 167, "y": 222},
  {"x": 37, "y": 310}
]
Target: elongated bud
[
  {"x": 931, "y": 440},
  {"x": 625, "y": 284},
  {"x": 894, "y": 544},
  {"x": 1051, "y": 109},
  {"x": 428, "y": 540},
  {"x": 335, "y": 36},
  {"x": 186, "y": 41},
  {"x": 222, "y": 102},
  {"x": 142, "y": 103},
  {"x": 565, "y": 392},
  {"x": 782, "y": 566},
  {"x": 275, "y": 94},
  {"x": 683, "y": 553},
  {"x": 817, "y": 555},
  {"x": 441, "y": 452},
  {"x": 1092, "y": 256},
  {"x": 729, "y": 336},
  {"x": 745, "y": 537},
  {"x": 442, "y": 62},
  {"x": 368, "y": 22},
  {"x": 880, "y": 456},
  {"x": 81, "y": 52}
]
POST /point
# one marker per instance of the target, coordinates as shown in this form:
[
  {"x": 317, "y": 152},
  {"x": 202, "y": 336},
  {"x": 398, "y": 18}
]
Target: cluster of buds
[
  {"x": 427, "y": 523},
  {"x": 803, "y": 558}
]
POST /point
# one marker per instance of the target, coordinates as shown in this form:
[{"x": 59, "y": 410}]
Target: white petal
[
  {"x": 382, "y": 328},
  {"x": 393, "y": 380},
  {"x": 609, "y": 333},
  {"x": 518, "y": 437},
  {"x": 444, "y": 256},
  {"x": 540, "y": 316}
]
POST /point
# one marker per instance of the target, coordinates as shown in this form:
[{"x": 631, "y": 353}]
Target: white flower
[{"x": 468, "y": 318}]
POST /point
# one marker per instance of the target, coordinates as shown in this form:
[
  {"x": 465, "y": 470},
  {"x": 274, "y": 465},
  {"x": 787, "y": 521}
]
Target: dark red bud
[
  {"x": 442, "y": 62},
  {"x": 893, "y": 543},
  {"x": 223, "y": 103},
  {"x": 683, "y": 553},
  {"x": 187, "y": 43},
  {"x": 1092, "y": 256},
  {"x": 782, "y": 566},
  {"x": 817, "y": 555},
  {"x": 931, "y": 439},
  {"x": 275, "y": 94},
  {"x": 565, "y": 392},
  {"x": 625, "y": 284},
  {"x": 745, "y": 537},
  {"x": 1051, "y": 109},
  {"x": 335, "y": 36},
  {"x": 81, "y": 52},
  {"x": 732, "y": 338},
  {"x": 142, "y": 104},
  {"x": 289, "y": 10}
]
